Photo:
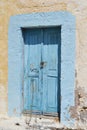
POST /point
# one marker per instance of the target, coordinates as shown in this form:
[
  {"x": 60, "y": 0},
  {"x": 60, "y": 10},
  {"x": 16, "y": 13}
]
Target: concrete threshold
[{"x": 31, "y": 122}]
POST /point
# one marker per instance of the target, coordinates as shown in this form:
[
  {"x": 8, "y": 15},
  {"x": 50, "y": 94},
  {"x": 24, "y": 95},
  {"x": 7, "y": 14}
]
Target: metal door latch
[{"x": 43, "y": 64}]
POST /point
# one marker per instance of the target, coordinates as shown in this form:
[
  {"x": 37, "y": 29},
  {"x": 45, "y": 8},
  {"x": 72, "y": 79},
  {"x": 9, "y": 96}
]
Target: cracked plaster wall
[{"x": 77, "y": 8}]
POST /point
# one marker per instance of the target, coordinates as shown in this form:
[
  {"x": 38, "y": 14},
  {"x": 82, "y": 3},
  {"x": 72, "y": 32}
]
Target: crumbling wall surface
[{"x": 77, "y": 8}]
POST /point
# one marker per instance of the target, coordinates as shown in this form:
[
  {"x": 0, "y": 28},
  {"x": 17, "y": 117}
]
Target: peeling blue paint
[{"x": 16, "y": 52}]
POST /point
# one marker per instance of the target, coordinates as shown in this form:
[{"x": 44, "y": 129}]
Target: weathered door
[{"x": 41, "y": 70}]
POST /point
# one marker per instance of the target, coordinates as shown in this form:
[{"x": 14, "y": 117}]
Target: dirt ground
[{"x": 31, "y": 123}]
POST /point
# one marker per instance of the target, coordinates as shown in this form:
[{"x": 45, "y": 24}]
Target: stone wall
[{"x": 79, "y": 9}]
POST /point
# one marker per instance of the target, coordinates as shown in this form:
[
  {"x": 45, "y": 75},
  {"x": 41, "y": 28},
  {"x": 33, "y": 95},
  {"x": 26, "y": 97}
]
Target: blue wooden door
[{"x": 41, "y": 70}]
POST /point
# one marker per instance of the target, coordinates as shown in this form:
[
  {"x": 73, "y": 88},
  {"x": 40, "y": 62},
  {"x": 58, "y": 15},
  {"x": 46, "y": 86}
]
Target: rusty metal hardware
[
  {"x": 43, "y": 64},
  {"x": 34, "y": 70}
]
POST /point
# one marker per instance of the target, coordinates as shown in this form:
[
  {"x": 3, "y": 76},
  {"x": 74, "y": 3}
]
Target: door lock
[{"x": 43, "y": 64}]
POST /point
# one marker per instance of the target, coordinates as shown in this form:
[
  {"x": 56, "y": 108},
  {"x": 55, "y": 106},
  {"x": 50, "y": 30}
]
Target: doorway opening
[{"x": 42, "y": 68}]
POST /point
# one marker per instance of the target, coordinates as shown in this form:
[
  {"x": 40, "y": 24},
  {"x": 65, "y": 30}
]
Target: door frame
[{"x": 16, "y": 54}]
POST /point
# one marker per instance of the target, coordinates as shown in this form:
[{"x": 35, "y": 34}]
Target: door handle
[
  {"x": 34, "y": 70},
  {"x": 43, "y": 64}
]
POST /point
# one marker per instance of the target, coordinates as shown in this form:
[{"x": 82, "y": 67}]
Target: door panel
[
  {"x": 52, "y": 89},
  {"x": 50, "y": 72},
  {"x": 34, "y": 94},
  {"x": 32, "y": 73}
]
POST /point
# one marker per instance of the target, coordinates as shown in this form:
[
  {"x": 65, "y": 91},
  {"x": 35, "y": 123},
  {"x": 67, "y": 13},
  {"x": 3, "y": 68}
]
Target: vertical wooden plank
[
  {"x": 50, "y": 74},
  {"x": 32, "y": 72}
]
